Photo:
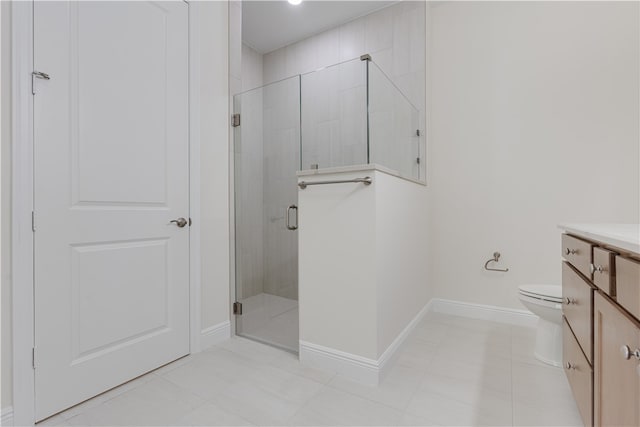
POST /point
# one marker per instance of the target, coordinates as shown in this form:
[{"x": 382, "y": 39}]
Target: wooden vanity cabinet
[
  {"x": 617, "y": 378},
  {"x": 601, "y": 331}
]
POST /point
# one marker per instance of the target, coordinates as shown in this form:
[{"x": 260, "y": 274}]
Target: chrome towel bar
[{"x": 366, "y": 181}]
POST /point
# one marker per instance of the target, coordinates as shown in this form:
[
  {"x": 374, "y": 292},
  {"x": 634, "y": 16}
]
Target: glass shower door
[{"x": 266, "y": 159}]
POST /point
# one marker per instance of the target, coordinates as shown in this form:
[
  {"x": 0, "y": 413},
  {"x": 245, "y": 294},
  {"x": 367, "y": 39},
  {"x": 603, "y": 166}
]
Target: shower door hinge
[
  {"x": 235, "y": 120},
  {"x": 365, "y": 57},
  {"x": 237, "y": 308}
]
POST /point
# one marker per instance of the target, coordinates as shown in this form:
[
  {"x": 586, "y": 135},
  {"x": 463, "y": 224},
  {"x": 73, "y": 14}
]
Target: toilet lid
[{"x": 548, "y": 292}]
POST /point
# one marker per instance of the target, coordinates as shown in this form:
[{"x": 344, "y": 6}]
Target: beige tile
[
  {"x": 490, "y": 380},
  {"x": 255, "y": 404},
  {"x": 466, "y": 391},
  {"x": 540, "y": 386},
  {"x": 493, "y": 376},
  {"x": 251, "y": 349},
  {"x": 523, "y": 344},
  {"x": 395, "y": 390},
  {"x": 417, "y": 354},
  {"x": 107, "y": 395},
  {"x": 290, "y": 363},
  {"x": 209, "y": 414},
  {"x": 308, "y": 417},
  {"x": 450, "y": 412},
  {"x": 414, "y": 420},
  {"x": 558, "y": 414},
  {"x": 348, "y": 409},
  {"x": 157, "y": 402}
]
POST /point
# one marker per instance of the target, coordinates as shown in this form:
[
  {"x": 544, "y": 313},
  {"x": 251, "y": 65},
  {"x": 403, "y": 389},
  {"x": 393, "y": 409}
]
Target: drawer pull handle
[
  {"x": 593, "y": 268},
  {"x": 570, "y": 301},
  {"x": 570, "y": 366},
  {"x": 571, "y": 251},
  {"x": 628, "y": 354}
]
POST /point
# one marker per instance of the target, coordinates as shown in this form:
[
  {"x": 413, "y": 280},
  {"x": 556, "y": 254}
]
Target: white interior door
[{"x": 111, "y": 171}]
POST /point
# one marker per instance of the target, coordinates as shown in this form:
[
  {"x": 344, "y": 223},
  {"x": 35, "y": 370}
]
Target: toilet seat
[{"x": 551, "y": 293}]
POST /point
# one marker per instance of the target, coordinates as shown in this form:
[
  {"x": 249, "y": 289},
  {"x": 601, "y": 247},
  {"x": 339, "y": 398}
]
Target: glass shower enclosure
[{"x": 347, "y": 114}]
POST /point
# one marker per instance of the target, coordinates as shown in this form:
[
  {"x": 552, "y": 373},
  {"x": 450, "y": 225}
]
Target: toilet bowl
[{"x": 545, "y": 301}]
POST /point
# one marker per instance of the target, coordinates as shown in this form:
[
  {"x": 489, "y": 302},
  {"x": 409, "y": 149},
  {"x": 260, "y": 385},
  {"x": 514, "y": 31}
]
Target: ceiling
[{"x": 270, "y": 25}]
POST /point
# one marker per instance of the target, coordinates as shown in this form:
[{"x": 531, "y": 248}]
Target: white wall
[
  {"x": 337, "y": 265},
  {"x": 214, "y": 164},
  {"x": 401, "y": 248},
  {"x": 5, "y": 207},
  {"x": 535, "y": 119},
  {"x": 251, "y": 65},
  {"x": 362, "y": 269}
]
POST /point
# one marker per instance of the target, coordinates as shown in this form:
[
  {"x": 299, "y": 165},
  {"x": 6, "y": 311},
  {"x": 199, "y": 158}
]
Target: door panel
[
  {"x": 266, "y": 159},
  {"x": 111, "y": 171},
  {"x": 617, "y": 379}
]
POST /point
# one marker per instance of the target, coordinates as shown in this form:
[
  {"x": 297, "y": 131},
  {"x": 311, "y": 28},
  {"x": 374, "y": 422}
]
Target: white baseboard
[
  {"x": 358, "y": 368},
  {"x": 6, "y": 416},
  {"x": 484, "y": 312},
  {"x": 215, "y": 334},
  {"x": 387, "y": 359},
  {"x": 361, "y": 369}
]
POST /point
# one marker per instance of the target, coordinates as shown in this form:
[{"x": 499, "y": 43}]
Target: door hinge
[
  {"x": 33, "y": 221},
  {"x": 237, "y": 308},
  {"x": 37, "y": 75},
  {"x": 33, "y": 357},
  {"x": 235, "y": 120}
]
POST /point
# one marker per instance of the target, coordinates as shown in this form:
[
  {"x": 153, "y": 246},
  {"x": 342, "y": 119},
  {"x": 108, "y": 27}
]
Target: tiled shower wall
[{"x": 394, "y": 37}]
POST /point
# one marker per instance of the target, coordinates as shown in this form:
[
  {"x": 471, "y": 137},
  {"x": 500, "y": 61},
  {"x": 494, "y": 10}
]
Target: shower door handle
[{"x": 288, "y": 215}]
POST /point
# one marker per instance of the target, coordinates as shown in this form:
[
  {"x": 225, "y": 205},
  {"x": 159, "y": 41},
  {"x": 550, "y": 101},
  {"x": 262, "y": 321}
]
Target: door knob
[
  {"x": 180, "y": 222},
  {"x": 627, "y": 353}
]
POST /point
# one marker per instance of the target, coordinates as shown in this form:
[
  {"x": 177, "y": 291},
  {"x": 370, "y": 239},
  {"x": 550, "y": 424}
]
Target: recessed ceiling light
[{"x": 294, "y": 2}]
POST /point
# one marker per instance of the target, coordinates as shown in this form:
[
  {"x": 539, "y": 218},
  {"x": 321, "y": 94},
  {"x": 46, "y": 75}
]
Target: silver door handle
[
  {"x": 180, "y": 222},
  {"x": 289, "y": 226}
]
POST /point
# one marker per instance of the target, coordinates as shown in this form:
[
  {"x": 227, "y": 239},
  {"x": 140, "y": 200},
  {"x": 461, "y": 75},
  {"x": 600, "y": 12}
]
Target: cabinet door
[{"x": 617, "y": 379}]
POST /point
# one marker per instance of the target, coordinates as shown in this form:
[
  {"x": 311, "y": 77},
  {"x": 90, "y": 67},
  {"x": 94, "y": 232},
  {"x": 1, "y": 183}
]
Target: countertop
[
  {"x": 356, "y": 168},
  {"x": 623, "y": 236}
]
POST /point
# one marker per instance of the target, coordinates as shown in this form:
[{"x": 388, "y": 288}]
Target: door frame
[{"x": 22, "y": 200}]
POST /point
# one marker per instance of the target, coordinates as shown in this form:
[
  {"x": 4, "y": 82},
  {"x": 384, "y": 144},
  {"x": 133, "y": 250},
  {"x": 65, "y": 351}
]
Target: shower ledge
[{"x": 357, "y": 168}]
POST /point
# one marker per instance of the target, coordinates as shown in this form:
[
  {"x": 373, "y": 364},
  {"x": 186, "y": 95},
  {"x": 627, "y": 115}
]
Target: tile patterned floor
[{"x": 452, "y": 371}]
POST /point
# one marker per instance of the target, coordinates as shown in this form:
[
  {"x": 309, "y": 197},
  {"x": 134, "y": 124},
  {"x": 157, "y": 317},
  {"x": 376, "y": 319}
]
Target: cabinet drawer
[
  {"x": 616, "y": 378},
  {"x": 604, "y": 270},
  {"x": 628, "y": 284},
  {"x": 578, "y": 253},
  {"x": 577, "y": 300},
  {"x": 579, "y": 374}
]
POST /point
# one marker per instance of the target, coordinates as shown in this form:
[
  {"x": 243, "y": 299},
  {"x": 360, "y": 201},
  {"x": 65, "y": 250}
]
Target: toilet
[{"x": 545, "y": 301}]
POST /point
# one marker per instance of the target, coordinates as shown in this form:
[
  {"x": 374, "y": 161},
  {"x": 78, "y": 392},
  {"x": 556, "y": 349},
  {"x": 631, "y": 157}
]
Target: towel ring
[{"x": 496, "y": 257}]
